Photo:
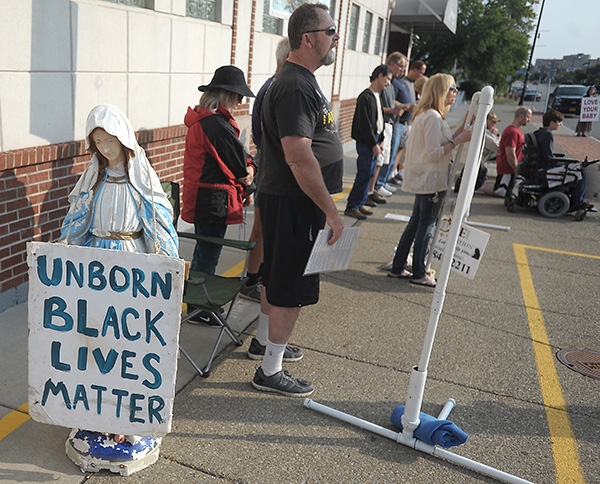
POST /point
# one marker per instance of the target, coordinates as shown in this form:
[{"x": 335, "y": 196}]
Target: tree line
[{"x": 491, "y": 43}]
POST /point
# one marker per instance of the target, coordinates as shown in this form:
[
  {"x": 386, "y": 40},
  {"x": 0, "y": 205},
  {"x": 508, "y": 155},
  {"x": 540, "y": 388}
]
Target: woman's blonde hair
[
  {"x": 434, "y": 94},
  {"x": 419, "y": 83},
  {"x": 211, "y": 98}
]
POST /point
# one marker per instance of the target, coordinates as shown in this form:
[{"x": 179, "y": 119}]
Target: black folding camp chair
[{"x": 209, "y": 292}]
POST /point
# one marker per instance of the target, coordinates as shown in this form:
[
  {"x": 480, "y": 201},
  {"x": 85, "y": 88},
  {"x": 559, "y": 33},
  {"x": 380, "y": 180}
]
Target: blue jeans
[
  {"x": 418, "y": 230},
  {"x": 365, "y": 167},
  {"x": 386, "y": 170},
  {"x": 206, "y": 255}
]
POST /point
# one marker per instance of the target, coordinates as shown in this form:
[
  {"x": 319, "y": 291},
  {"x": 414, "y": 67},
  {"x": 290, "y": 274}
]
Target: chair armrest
[
  {"x": 236, "y": 244},
  {"x": 585, "y": 163},
  {"x": 196, "y": 281},
  {"x": 562, "y": 160}
]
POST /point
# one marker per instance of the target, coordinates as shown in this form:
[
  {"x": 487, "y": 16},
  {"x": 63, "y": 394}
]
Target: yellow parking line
[
  {"x": 14, "y": 420},
  {"x": 562, "y": 439},
  {"x": 338, "y": 196},
  {"x": 236, "y": 270}
]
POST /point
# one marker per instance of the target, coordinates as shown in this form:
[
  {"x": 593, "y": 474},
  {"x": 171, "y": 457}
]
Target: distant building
[{"x": 568, "y": 63}]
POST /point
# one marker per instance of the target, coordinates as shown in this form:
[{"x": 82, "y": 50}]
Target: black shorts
[{"x": 290, "y": 227}]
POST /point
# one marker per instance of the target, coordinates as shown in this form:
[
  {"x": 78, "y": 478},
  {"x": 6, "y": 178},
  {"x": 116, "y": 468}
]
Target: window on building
[
  {"x": 271, "y": 25},
  {"x": 331, "y": 5},
  {"x": 134, "y": 3},
  {"x": 379, "y": 36},
  {"x": 353, "y": 29},
  {"x": 202, "y": 9},
  {"x": 367, "y": 34}
]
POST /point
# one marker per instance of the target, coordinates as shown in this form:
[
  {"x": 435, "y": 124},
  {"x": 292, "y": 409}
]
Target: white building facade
[{"x": 59, "y": 58}]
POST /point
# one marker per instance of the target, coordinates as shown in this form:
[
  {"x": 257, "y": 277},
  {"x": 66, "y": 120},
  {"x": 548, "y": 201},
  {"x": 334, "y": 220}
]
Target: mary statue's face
[{"x": 109, "y": 145}]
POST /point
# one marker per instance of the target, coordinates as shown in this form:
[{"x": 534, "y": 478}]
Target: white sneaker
[
  {"x": 390, "y": 188},
  {"x": 383, "y": 192}
]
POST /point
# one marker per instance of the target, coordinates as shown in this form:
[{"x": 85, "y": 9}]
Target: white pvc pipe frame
[
  {"x": 472, "y": 111},
  {"x": 416, "y": 386}
]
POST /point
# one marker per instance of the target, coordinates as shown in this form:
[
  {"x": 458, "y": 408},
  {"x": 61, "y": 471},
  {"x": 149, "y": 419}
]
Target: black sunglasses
[{"x": 329, "y": 31}]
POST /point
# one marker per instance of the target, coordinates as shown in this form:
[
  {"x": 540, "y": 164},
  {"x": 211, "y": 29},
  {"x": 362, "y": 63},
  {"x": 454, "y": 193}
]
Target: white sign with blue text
[{"x": 103, "y": 338}]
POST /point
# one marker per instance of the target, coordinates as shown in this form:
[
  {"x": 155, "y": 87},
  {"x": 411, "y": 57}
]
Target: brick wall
[
  {"x": 35, "y": 183},
  {"x": 347, "y": 108}
]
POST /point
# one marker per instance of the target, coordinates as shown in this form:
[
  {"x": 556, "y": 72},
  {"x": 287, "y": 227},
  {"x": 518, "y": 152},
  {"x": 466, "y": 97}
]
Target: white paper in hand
[{"x": 336, "y": 257}]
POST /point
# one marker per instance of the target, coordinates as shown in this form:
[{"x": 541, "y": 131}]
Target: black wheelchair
[{"x": 551, "y": 191}]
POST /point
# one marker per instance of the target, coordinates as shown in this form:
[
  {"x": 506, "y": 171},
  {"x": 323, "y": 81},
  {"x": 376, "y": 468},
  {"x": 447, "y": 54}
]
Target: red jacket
[{"x": 213, "y": 161}]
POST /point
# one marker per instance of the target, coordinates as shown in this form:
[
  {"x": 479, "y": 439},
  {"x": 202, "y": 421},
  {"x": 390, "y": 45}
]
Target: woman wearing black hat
[{"x": 217, "y": 172}]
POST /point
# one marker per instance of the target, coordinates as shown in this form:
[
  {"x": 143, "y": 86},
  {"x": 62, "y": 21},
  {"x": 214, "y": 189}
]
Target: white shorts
[
  {"x": 405, "y": 134},
  {"x": 504, "y": 184},
  {"x": 384, "y": 158}
]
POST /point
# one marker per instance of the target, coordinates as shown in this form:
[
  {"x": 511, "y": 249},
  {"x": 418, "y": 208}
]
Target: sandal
[
  {"x": 425, "y": 281},
  {"x": 402, "y": 275}
]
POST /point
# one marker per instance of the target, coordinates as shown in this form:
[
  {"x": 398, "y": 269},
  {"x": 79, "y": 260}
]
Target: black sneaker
[
  {"x": 251, "y": 292},
  {"x": 256, "y": 351},
  {"x": 203, "y": 317},
  {"x": 282, "y": 382}
]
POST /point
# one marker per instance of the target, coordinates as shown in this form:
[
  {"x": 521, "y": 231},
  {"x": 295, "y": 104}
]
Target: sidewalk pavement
[{"x": 527, "y": 414}]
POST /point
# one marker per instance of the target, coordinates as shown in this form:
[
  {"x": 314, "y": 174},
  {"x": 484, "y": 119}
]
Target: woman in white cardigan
[{"x": 427, "y": 168}]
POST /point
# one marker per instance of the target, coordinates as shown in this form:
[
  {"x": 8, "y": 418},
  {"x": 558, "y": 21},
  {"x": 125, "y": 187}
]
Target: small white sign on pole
[
  {"x": 590, "y": 109},
  {"x": 469, "y": 250},
  {"x": 103, "y": 338}
]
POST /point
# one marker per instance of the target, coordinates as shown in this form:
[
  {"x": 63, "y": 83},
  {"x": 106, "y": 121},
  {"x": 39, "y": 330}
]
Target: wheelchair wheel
[
  {"x": 554, "y": 204},
  {"x": 580, "y": 214}
]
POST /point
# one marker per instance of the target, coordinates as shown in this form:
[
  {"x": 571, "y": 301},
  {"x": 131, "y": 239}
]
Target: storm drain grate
[{"x": 586, "y": 362}]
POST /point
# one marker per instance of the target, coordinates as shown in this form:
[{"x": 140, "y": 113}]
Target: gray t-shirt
[{"x": 387, "y": 101}]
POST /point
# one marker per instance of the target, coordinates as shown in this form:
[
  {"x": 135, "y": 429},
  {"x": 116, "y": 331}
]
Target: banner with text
[
  {"x": 103, "y": 338},
  {"x": 590, "y": 109}
]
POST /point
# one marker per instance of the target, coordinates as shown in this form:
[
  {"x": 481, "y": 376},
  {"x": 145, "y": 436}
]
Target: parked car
[
  {"x": 515, "y": 91},
  {"x": 567, "y": 98},
  {"x": 532, "y": 95}
]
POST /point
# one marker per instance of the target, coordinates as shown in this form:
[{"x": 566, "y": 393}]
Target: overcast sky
[{"x": 568, "y": 27}]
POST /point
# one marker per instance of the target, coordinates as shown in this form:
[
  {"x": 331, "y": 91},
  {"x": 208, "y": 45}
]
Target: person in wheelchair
[{"x": 547, "y": 160}]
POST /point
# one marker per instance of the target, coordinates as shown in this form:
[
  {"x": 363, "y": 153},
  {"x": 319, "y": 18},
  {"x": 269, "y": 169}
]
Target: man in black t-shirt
[
  {"x": 296, "y": 107},
  {"x": 302, "y": 165}
]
